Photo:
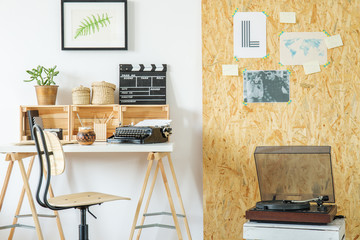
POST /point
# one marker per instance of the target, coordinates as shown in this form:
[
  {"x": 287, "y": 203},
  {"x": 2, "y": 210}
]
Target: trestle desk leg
[
  {"x": 150, "y": 158},
  {"x": 179, "y": 195},
  {"x": 172, "y": 207},
  {"x": 21, "y": 198},
  {"x": 6, "y": 181},
  {"x": 148, "y": 200},
  {"x": 30, "y": 198}
]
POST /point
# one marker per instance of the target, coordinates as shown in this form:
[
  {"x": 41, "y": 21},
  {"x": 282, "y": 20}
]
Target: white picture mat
[
  {"x": 257, "y": 33},
  {"x": 111, "y": 36},
  {"x": 287, "y": 57}
]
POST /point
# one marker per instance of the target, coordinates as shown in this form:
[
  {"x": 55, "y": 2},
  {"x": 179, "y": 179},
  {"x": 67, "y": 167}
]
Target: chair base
[{"x": 83, "y": 227}]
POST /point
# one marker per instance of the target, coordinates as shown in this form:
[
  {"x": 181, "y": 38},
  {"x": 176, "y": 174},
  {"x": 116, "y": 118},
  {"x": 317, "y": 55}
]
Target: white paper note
[
  {"x": 154, "y": 122},
  {"x": 287, "y": 17},
  {"x": 230, "y": 70},
  {"x": 333, "y": 41},
  {"x": 311, "y": 67}
]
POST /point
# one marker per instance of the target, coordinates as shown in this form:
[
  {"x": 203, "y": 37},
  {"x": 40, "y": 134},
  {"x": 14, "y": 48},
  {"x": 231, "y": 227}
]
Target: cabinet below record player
[{"x": 284, "y": 231}]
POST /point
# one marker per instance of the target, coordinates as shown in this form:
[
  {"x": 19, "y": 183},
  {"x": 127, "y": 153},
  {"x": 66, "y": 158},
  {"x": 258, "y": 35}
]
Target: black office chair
[{"x": 52, "y": 162}]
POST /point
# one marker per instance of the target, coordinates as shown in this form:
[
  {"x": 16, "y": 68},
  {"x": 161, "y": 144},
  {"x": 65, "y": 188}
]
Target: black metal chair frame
[{"x": 83, "y": 227}]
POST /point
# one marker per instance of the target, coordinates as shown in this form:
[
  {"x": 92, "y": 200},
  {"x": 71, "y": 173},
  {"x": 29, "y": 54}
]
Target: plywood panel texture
[{"x": 324, "y": 109}]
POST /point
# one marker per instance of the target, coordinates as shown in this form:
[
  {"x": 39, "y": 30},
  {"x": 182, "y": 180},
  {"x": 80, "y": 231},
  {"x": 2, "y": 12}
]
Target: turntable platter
[{"x": 282, "y": 205}]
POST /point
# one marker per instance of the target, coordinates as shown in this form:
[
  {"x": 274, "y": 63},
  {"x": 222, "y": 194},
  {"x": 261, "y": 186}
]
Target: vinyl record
[{"x": 281, "y": 205}]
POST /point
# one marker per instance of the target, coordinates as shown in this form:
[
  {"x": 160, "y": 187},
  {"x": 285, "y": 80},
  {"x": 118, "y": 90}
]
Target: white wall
[{"x": 160, "y": 31}]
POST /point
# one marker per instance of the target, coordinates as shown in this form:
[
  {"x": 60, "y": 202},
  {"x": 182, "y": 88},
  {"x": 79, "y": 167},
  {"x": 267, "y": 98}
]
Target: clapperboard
[{"x": 142, "y": 84}]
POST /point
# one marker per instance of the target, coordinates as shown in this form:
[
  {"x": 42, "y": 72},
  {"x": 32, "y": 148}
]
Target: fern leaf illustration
[
  {"x": 96, "y": 23},
  {"x": 91, "y": 24}
]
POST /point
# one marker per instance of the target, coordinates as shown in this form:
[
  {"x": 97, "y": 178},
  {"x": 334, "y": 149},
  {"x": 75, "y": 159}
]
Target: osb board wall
[{"x": 324, "y": 109}]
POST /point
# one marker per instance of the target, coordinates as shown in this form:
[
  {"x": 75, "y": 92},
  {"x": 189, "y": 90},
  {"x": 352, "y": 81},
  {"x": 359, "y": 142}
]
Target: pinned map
[{"x": 298, "y": 48}]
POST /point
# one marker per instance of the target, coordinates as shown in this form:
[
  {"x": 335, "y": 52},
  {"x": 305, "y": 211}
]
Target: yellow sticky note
[
  {"x": 311, "y": 67},
  {"x": 287, "y": 17},
  {"x": 333, "y": 41},
  {"x": 230, "y": 70}
]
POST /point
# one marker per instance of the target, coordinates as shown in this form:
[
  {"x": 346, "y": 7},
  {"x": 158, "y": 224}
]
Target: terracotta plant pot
[{"x": 46, "y": 95}]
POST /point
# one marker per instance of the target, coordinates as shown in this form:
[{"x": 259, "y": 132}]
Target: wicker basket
[
  {"x": 81, "y": 95},
  {"x": 102, "y": 93}
]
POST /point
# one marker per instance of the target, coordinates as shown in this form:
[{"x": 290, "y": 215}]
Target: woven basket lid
[
  {"x": 103, "y": 84},
  {"x": 81, "y": 88}
]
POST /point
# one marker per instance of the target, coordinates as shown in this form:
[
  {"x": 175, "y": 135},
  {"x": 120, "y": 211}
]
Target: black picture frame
[{"x": 94, "y": 25}]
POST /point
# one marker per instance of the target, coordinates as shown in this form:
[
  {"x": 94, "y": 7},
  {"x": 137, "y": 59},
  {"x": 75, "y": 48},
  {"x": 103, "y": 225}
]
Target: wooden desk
[
  {"x": 156, "y": 152},
  {"x": 282, "y": 231}
]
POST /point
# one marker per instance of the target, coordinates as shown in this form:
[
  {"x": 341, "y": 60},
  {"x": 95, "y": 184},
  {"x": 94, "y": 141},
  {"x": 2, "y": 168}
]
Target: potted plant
[{"x": 46, "y": 90}]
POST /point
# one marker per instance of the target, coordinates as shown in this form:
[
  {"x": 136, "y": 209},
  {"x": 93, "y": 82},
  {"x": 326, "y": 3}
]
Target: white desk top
[{"x": 95, "y": 147}]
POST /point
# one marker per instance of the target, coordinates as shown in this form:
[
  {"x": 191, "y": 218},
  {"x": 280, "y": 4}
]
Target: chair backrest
[
  {"x": 57, "y": 156},
  {"x": 51, "y": 159}
]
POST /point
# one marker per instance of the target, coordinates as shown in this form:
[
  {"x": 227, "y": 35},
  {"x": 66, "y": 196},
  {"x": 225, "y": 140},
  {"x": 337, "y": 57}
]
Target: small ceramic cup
[{"x": 86, "y": 136}]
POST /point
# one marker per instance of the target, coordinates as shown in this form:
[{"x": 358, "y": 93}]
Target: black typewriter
[{"x": 136, "y": 134}]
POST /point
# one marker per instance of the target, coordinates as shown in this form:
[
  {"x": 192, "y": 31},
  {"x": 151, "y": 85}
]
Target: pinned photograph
[{"x": 266, "y": 86}]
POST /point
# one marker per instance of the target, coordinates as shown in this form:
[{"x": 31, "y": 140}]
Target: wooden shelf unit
[
  {"x": 90, "y": 114},
  {"x": 65, "y": 117},
  {"x": 132, "y": 114},
  {"x": 53, "y": 116}
]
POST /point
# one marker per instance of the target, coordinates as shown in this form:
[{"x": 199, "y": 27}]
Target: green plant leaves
[
  {"x": 37, "y": 74},
  {"x": 90, "y": 24}
]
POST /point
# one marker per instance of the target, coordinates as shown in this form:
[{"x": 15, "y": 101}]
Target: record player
[{"x": 296, "y": 185}]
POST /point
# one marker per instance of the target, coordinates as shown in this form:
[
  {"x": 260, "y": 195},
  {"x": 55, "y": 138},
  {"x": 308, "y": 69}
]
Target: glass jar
[{"x": 86, "y": 136}]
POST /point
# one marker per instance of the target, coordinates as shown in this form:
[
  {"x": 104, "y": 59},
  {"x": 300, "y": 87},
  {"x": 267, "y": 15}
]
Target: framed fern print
[{"x": 94, "y": 25}]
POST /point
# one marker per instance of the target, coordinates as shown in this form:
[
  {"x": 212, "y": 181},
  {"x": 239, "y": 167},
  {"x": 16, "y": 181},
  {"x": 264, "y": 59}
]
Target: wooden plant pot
[{"x": 46, "y": 95}]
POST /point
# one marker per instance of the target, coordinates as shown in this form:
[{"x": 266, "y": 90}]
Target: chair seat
[{"x": 83, "y": 199}]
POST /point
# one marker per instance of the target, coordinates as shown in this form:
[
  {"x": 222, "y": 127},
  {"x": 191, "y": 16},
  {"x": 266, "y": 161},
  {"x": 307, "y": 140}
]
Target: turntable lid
[{"x": 294, "y": 172}]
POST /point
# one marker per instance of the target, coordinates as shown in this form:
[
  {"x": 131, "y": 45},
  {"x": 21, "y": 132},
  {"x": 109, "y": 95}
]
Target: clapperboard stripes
[
  {"x": 142, "y": 84},
  {"x": 245, "y": 36}
]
